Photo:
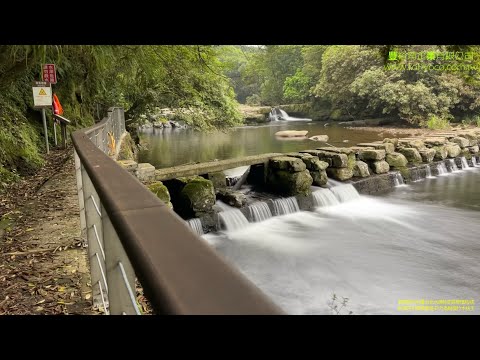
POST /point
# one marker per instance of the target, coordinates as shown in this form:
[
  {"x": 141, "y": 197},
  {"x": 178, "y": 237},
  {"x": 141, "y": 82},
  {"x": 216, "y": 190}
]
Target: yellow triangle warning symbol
[{"x": 42, "y": 92}]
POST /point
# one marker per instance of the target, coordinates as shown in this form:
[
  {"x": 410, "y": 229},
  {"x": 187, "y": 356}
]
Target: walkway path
[{"x": 43, "y": 261}]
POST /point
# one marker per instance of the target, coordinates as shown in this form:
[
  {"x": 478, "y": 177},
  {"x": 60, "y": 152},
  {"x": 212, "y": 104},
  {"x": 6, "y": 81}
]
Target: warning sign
[
  {"x": 42, "y": 94},
  {"x": 49, "y": 73}
]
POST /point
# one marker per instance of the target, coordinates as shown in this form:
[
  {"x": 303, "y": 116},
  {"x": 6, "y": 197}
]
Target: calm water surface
[{"x": 169, "y": 147}]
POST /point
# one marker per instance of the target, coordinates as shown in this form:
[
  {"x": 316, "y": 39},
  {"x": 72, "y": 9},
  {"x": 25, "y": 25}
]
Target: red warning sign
[{"x": 49, "y": 73}]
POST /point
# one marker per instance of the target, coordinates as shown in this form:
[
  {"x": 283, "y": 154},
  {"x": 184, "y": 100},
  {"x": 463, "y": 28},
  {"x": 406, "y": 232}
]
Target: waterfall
[
  {"x": 345, "y": 192},
  {"x": 259, "y": 211},
  {"x": 223, "y": 206},
  {"x": 398, "y": 181},
  {"x": 464, "y": 163},
  {"x": 196, "y": 225},
  {"x": 453, "y": 165},
  {"x": 474, "y": 161},
  {"x": 232, "y": 219},
  {"x": 331, "y": 183},
  {"x": 442, "y": 169},
  {"x": 278, "y": 114},
  {"x": 324, "y": 197},
  {"x": 285, "y": 206},
  {"x": 429, "y": 172}
]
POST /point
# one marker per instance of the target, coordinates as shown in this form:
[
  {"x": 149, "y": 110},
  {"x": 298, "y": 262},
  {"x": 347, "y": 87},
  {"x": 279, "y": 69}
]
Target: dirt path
[{"x": 43, "y": 261}]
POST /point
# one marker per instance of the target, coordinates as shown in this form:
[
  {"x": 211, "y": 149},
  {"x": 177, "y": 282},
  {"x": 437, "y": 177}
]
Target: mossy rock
[
  {"x": 287, "y": 163},
  {"x": 361, "y": 169},
  {"x": 453, "y": 150},
  {"x": 341, "y": 174},
  {"x": 161, "y": 192},
  {"x": 396, "y": 160},
  {"x": 287, "y": 183},
  {"x": 128, "y": 149},
  {"x": 466, "y": 153},
  {"x": 412, "y": 155},
  {"x": 405, "y": 171},
  {"x": 320, "y": 178},
  {"x": 198, "y": 195},
  {"x": 379, "y": 167},
  {"x": 218, "y": 179},
  {"x": 440, "y": 152}
]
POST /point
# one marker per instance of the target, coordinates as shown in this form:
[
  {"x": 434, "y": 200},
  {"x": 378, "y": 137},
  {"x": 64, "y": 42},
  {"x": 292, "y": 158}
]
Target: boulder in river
[
  {"x": 440, "y": 152},
  {"x": 380, "y": 167},
  {"x": 288, "y": 183},
  {"x": 412, "y": 155},
  {"x": 396, "y": 160},
  {"x": 287, "y": 163},
  {"x": 161, "y": 192},
  {"x": 361, "y": 169},
  {"x": 291, "y": 133},
  {"x": 232, "y": 197},
  {"x": 341, "y": 174},
  {"x": 453, "y": 150},
  {"x": 322, "y": 138},
  {"x": 427, "y": 155}
]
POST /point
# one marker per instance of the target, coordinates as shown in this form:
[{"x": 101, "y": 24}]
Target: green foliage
[
  {"x": 253, "y": 100},
  {"x": 93, "y": 78},
  {"x": 437, "y": 123},
  {"x": 296, "y": 87},
  {"x": 473, "y": 120}
]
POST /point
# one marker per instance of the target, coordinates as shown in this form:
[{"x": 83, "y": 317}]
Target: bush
[
  {"x": 437, "y": 123},
  {"x": 253, "y": 100},
  {"x": 475, "y": 120}
]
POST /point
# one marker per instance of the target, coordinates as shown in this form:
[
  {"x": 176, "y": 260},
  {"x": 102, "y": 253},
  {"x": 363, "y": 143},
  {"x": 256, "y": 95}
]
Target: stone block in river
[
  {"x": 474, "y": 149},
  {"x": 289, "y": 183},
  {"x": 218, "y": 179},
  {"x": 357, "y": 149},
  {"x": 380, "y": 166},
  {"x": 197, "y": 196},
  {"x": 466, "y": 153},
  {"x": 321, "y": 138},
  {"x": 409, "y": 143},
  {"x": 338, "y": 150},
  {"x": 340, "y": 173},
  {"x": 361, "y": 169},
  {"x": 319, "y": 177},
  {"x": 461, "y": 141},
  {"x": 412, "y": 155},
  {"x": 472, "y": 138},
  {"x": 427, "y": 155},
  {"x": 396, "y": 160},
  {"x": 435, "y": 141},
  {"x": 393, "y": 141},
  {"x": 371, "y": 155},
  {"x": 161, "y": 192},
  {"x": 440, "y": 152},
  {"x": 388, "y": 147},
  {"x": 313, "y": 163},
  {"x": 145, "y": 172},
  {"x": 287, "y": 163},
  {"x": 128, "y": 165},
  {"x": 453, "y": 150},
  {"x": 336, "y": 160},
  {"x": 232, "y": 197}
]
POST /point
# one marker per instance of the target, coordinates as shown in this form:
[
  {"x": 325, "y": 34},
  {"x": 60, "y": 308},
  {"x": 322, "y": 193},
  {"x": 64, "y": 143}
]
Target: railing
[{"x": 131, "y": 233}]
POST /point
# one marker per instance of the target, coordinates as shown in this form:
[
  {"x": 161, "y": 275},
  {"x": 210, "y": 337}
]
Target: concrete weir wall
[{"x": 370, "y": 167}]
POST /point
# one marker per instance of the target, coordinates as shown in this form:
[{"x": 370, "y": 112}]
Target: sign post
[
  {"x": 49, "y": 74},
  {"x": 42, "y": 98}
]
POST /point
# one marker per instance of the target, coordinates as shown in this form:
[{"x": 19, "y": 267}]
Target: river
[
  {"x": 169, "y": 147},
  {"x": 417, "y": 242}
]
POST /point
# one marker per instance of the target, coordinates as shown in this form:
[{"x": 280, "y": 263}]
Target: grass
[{"x": 437, "y": 123}]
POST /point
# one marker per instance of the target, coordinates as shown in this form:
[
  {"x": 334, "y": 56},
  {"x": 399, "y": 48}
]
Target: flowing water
[
  {"x": 429, "y": 172},
  {"x": 169, "y": 147},
  {"x": 474, "y": 161},
  {"x": 285, "y": 206},
  {"x": 324, "y": 197},
  {"x": 415, "y": 242},
  {"x": 259, "y": 211},
  {"x": 442, "y": 169},
  {"x": 453, "y": 165},
  {"x": 196, "y": 226},
  {"x": 399, "y": 180},
  {"x": 464, "y": 163},
  {"x": 232, "y": 220}
]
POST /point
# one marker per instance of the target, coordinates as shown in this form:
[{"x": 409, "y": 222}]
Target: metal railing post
[
  {"x": 81, "y": 203},
  {"x": 120, "y": 274},
  {"x": 96, "y": 253}
]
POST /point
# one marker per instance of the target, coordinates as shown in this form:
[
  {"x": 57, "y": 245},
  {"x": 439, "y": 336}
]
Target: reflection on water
[
  {"x": 169, "y": 147},
  {"x": 417, "y": 242}
]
